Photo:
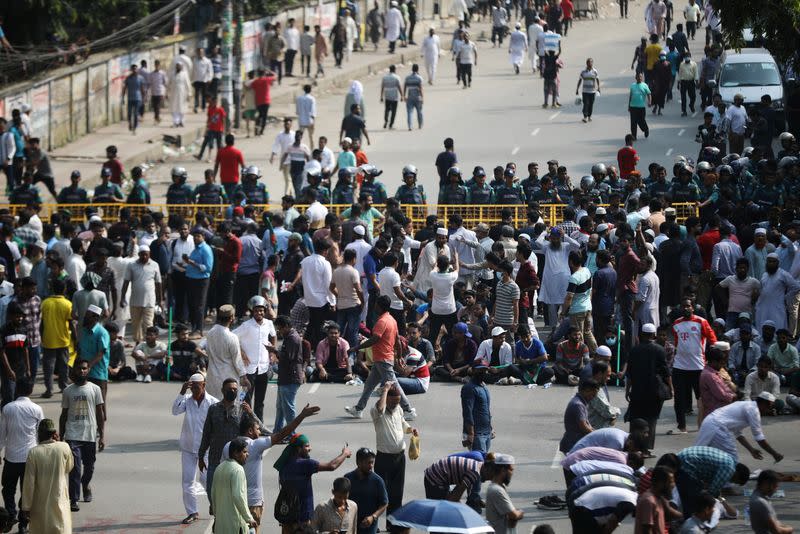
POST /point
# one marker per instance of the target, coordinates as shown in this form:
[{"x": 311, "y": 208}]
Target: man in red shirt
[
  {"x": 261, "y": 88},
  {"x": 215, "y": 125},
  {"x": 115, "y": 165},
  {"x": 229, "y": 161},
  {"x": 384, "y": 341},
  {"x": 567, "y": 9},
  {"x": 627, "y": 158},
  {"x": 229, "y": 257}
]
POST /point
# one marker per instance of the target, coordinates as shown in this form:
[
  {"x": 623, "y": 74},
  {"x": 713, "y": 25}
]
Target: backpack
[{"x": 287, "y": 506}]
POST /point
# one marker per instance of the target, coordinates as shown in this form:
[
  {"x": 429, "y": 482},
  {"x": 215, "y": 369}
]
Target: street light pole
[
  {"x": 238, "y": 52},
  {"x": 226, "y": 94}
]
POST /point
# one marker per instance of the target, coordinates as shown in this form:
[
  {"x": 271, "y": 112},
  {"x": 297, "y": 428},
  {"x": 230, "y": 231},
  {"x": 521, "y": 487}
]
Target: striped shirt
[
  {"x": 708, "y": 466},
  {"x": 505, "y": 295},
  {"x": 580, "y": 285},
  {"x": 454, "y": 470},
  {"x": 413, "y": 86},
  {"x": 589, "y": 78}
]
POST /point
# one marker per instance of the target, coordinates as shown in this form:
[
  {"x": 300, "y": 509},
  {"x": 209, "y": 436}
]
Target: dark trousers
[
  {"x": 691, "y": 28},
  {"x": 349, "y": 321},
  {"x": 198, "y": 293},
  {"x": 623, "y": 8},
  {"x": 432, "y": 491},
  {"x": 466, "y": 73},
  {"x": 133, "y": 114},
  {"x": 392, "y": 45},
  {"x": 392, "y": 469},
  {"x": 225, "y": 284},
  {"x": 8, "y": 390},
  {"x": 305, "y": 64},
  {"x": 288, "y": 59},
  {"x": 706, "y": 94},
  {"x": 55, "y": 359},
  {"x": 399, "y": 317},
  {"x": 286, "y": 301},
  {"x": 652, "y": 420},
  {"x": 639, "y": 118},
  {"x": 83, "y": 454},
  {"x": 246, "y": 286},
  {"x": 48, "y": 181},
  {"x": 11, "y": 182},
  {"x": 209, "y": 140},
  {"x": 34, "y": 354},
  {"x": 180, "y": 293},
  {"x": 684, "y": 382},
  {"x": 389, "y": 112},
  {"x": 625, "y": 301},
  {"x": 258, "y": 391},
  {"x": 13, "y": 474},
  {"x": 261, "y": 121},
  {"x": 338, "y": 52},
  {"x": 499, "y": 32},
  {"x": 276, "y": 66},
  {"x": 199, "y": 95},
  {"x": 436, "y": 323},
  {"x": 316, "y": 320},
  {"x": 688, "y": 489},
  {"x": 372, "y": 298},
  {"x": 588, "y": 104},
  {"x": 155, "y": 103},
  {"x": 687, "y": 88}
]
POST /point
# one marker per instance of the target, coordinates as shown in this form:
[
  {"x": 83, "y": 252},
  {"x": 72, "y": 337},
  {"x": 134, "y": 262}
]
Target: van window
[{"x": 755, "y": 74}]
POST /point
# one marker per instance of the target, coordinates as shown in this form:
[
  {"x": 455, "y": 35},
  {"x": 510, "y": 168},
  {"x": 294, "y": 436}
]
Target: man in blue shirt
[
  {"x": 368, "y": 491},
  {"x": 133, "y": 86},
  {"x": 372, "y": 265},
  {"x": 94, "y": 346},
  {"x": 199, "y": 266}
]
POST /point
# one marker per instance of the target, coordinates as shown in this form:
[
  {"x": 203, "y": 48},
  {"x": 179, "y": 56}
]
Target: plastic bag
[
  {"x": 578, "y": 101},
  {"x": 413, "y": 448}
]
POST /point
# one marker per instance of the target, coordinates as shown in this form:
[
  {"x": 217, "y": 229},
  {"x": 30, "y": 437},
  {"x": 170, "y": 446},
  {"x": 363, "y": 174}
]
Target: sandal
[
  {"x": 191, "y": 518},
  {"x": 676, "y": 432}
]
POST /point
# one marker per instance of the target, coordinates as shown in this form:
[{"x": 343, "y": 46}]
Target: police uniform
[
  {"x": 343, "y": 194},
  {"x": 180, "y": 194},
  {"x": 25, "y": 194},
  {"x": 255, "y": 193},
  {"x": 410, "y": 195},
  {"x": 72, "y": 195},
  {"x": 481, "y": 194},
  {"x": 210, "y": 194},
  {"x": 453, "y": 195},
  {"x": 375, "y": 189},
  {"x": 512, "y": 194}
]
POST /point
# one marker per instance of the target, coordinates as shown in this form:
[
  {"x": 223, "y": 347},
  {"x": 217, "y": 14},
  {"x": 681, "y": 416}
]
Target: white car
[{"x": 752, "y": 72}]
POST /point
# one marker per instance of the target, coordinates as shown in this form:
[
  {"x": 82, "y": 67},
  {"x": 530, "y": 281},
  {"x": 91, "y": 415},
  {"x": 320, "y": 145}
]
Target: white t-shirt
[
  {"x": 444, "y": 301},
  {"x": 691, "y": 12},
  {"x": 253, "y": 467},
  {"x": 390, "y": 279},
  {"x": 466, "y": 53}
]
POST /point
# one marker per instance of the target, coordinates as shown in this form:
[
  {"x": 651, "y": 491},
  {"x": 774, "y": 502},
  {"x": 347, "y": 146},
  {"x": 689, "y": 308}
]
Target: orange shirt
[{"x": 386, "y": 329}]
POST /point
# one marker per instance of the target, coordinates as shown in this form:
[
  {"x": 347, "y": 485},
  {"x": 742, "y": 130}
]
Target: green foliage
[{"x": 777, "y": 20}]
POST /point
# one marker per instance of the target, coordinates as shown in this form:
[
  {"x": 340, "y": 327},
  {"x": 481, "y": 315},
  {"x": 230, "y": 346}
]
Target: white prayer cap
[
  {"x": 94, "y": 309},
  {"x": 441, "y": 231},
  {"x": 649, "y": 328},
  {"x": 95, "y": 218},
  {"x": 358, "y": 229},
  {"x": 143, "y": 248},
  {"x": 767, "y": 396},
  {"x": 600, "y": 211},
  {"x": 722, "y": 345},
  {"x": 504, "y": 459},
  {"x": 720, "y": 321},
  {"x": 347, "y": 140},
  {"x": 197, "y": 377},
  {"x": 40, "y": 245},
  {"x": 518, "y": 25},
  {"x": 761, "y": 231},
  {"x": 601, "y": 228},
  {"x": 773, "y": 255},
  {"x": 526, "y": 236},
  {"x": 650, "y": 232},
  {"x": 603, "y": 351}
]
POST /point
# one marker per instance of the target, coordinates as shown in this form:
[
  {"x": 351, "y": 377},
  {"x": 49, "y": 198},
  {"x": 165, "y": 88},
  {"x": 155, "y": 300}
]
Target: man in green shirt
[
  {"x": 639, "y": 99},
  {"x": 785, "y": 359},
  {"x": 229, "y": 492}
]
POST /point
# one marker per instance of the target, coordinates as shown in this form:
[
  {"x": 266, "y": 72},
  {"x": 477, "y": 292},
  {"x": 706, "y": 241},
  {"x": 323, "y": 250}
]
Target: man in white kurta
[
  {"x": 180, "y": 87},
  {"x": 195, "y": 407},
  {"x": 777, "y": 287},
  {"x": 517, "y": 46},
  {"x": 431, "y": 48},
  {"x": 555, "y": 277},
  {"x": 394, "y": 24},
  {"x": 427, "y": 260},
  {"x": 533, "y": 42},
  {"x": 224, "y": 353},
  {"x": 44, "y": 494},
  {"x": 723, "y": 427},
  {"x": 647, "y": 294}
]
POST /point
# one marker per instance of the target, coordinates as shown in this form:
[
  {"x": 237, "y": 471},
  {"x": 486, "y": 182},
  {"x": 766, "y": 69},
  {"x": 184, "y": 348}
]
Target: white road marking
[
  {"x": 514, "y": 152},
  {"x": 314, "y": 387},
  {"x": 669, "y": 152},
  {"x": 557, "y": 457},
  {"x": 681, "y": 131},
  {"x": 554, "y": 115},
  {"x": 536, "y": 131}
]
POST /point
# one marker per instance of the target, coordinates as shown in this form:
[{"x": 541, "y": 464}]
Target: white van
[{"x": 752, "y": 72}]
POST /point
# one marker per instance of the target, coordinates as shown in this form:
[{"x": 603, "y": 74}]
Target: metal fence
[{"x": 471, "y": 213}]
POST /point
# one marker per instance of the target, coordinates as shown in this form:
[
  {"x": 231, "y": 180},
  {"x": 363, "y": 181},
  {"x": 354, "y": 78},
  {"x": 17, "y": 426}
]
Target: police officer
[
  {"x": 410, "y": 192},
  {"x": 254, "y": 191},
  {"x": 454, "y": 192},
  {"x": 107, "y": 191},
  {"x": 589, "y": 191},
  {"x": 660, "y": 187},
  {"x": 140, "y": 193},
  {"x": 323, "y": 194},
  {"x": 531, "y": 183},
  {"x": 370, "y": 186},
  {"x": 209, "y": 192},
  {"x": 73, "y": 193},
  {"x": 25, "y": 193},
  {"x": 479, "y": 191},
  {"x": 343, "y": 191},
  {"x": 179, "y": 192},
  {"x": 684, "y": 190},
  {"x": 509, "y": 192}
]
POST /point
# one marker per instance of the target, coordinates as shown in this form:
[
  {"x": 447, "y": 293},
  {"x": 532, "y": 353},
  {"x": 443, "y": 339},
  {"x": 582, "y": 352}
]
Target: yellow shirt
[
  {"x": 56, "y": 314},
  {"x": 651, "y": 55}
]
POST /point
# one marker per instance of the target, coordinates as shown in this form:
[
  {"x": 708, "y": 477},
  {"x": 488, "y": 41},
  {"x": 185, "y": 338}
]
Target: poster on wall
[
  {"x": 251, "y": 47},
  {"x": 40, "y": 104},
  {"x": 323, "y": 15},
  {"x": 15, "y": 102}
]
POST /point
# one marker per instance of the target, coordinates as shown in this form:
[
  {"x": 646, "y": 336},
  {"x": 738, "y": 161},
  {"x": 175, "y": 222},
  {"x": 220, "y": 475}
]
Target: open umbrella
[{"x": 430, "y": 515}]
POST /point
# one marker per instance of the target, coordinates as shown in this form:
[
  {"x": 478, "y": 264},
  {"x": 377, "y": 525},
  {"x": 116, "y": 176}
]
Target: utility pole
[
  {"x": 226, "y": 94},
  {"x": 237, "y": 62}
]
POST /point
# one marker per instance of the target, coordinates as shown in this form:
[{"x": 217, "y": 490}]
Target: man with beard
[
  {"x": 82, "y": 424},
  {"x": 743, "y": 290},
  {"x": 556, "y": 270},
  {"x": 500, "y": 511},
  {"x": 647, "y": 365},
  {"x": 231, "y": 513},
  {"x": 777, "y": 288},
  {"x": 427, "y": 260}
]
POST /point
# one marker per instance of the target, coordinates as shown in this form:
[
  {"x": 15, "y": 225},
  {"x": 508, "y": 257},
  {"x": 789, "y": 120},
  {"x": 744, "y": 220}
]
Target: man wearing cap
[
  {"x": 496, "y": 354},
  {"x": 224, "y": 353},
  {"x": 721, "y": 428},
  {"x": 195, "y": 406},
  {"x": 94, "y": 346},
  {"x": 73, "y": 193},
  {"x": 44, "y": 498},
  {"x": 428, "y": 257},
  {"x": 500, "y": 511},
  {"x": 646, "y": 374},
  {"x": 556, "y": 270},
  {"x": 757, "y": 253},
  {"x": 144, "y": 278},
  {"x": 777, "y": 288}
]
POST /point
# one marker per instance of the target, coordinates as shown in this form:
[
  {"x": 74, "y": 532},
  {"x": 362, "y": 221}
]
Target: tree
[{"x": 777, "y": 20}]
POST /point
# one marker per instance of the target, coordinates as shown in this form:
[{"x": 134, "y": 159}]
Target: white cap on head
[
  {"x": 518, "y": 25},
  {"x": 525, "y": 236},
  {"x": 722, "y": 345},
  {"x": 347, "y": 140},
  {"x": 143, "y": 248},
  {"x": 498, "y": 331},
  {"x": 359, "y": 230},
  {"x": 600, "y": 211},
  {"x": 95, "y": 218},
  {"x": 601, "y": 227},
  {"x": 767, "y": 396},
  {"x": 720, "y": 321},
  {"x": 41, "y": 244},
  {"x": 773, "y": 255},
  {"x": 441, "y": 231},
  {"x": 603, "y": 351},
  {"x": 197, "y": 377},
  {"x": 504, "y": 459},
  {"x": 761, "y": 231},
  {"x": 649, "y": 328},
  {"x": 25, "y": 108},
  {"x": 94, "y": 309},
  {"x": 650, "y": 232}
]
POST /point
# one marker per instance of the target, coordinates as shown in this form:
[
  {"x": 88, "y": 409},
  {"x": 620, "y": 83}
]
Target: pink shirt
[{"x": 713, "y": 390}]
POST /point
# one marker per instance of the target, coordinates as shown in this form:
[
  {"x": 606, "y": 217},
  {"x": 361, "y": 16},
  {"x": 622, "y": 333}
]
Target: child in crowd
[
  {"x": 149, "y": 356},
  {"x": 118, "y": 369}
]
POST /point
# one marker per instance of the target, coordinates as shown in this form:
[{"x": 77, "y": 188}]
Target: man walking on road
[
  {"x": 687, "y": 82},
  {"x": 412, "y": 92},
  {"x": 390, "y": 94},
  {"x": 639, "y": 99},
  {"x": 431, "y": 49},
  {"x": 306, "y": 107}
]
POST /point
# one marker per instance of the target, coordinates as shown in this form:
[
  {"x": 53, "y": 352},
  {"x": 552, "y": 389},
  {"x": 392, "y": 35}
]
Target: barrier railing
[{"x": 471, "y": 213}]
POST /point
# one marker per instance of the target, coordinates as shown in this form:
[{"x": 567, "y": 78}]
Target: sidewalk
[{"x": 147, "y": 147}]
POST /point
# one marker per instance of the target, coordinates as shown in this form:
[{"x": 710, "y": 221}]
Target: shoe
[
  {"x": 73, "y": 506},
  {"x": 139, "y": 378},
  {"x": 503, "y": 381},
  {"x": 410, "y": 415},
  {"x": 354, "y": 413},
  {"x": 590, "y": 119},
  {"x": 87, "y": 494},
  {"x": 683, "y": 114},
  {"x": 148, "y": 379},
  {"x": 514, "y": 381},
  {"x": 46, "y": 395},
  {"x": 544, "y": 106},
  {"x": 573, "y": 380},
  {"x": 676, "y": 432},
  {"x": 557, "y": 105},
  {"x": 584, "y": 120},
  {"x": 647, "y": 134},
  {"x": 191, "y": 518}
]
